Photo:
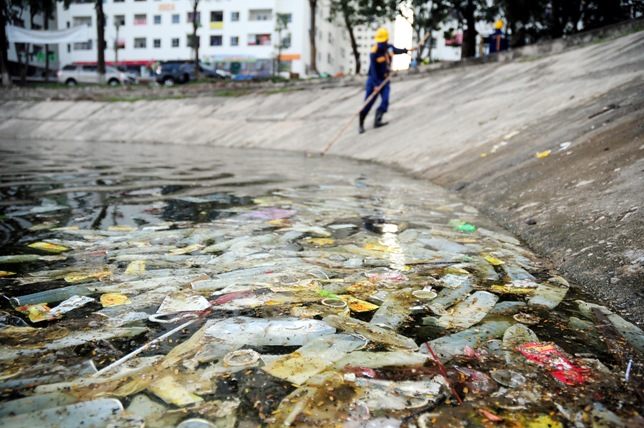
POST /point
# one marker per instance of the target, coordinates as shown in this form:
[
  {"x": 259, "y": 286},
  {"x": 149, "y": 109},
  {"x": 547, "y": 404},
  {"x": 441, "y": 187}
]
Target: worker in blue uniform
[
  {"x": 497, "y": 40},
  {"x": 379, "y": 71}
]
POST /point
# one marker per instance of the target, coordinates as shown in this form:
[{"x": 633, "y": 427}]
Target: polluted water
[{"x": 154, "y": 286}]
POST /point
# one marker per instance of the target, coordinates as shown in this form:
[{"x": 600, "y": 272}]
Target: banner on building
[{"x": 41, "y": 37}]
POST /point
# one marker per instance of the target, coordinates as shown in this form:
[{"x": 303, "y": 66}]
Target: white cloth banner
[{"x": 40, "y": 37}]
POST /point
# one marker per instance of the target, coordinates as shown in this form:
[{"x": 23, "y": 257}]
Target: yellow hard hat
[
  {"x": 382, "y": 35},
  {"x": 498, "y": 25}
]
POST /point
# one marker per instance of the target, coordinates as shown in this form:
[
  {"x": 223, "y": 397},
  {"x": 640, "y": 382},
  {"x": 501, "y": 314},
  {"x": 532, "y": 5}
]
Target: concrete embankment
[{"x": 475, "y": 130}]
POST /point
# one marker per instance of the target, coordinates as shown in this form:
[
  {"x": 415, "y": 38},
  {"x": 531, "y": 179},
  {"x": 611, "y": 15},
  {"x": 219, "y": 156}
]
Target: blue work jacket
[{"x": 380, "y": 56}]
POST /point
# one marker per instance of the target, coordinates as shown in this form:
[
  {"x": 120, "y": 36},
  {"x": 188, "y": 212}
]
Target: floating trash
[{"x": 318, "y": 298}]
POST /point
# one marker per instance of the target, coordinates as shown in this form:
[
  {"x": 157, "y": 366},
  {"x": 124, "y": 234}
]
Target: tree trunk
[
  {"x": 100, "y": 32},
  {"x": 195, "y": 40},
  {"x": 46, "y": 25},
  {"x": 24, "y": 66},
  {"x": 556, "y": 30},
  {"x": 4, "y": 45},
  {"x": 312, "y": 34},
  {"x": 468, "y": 49},
  {"x": 354, "y": 45},
  {"x": 429, "y": 46}
]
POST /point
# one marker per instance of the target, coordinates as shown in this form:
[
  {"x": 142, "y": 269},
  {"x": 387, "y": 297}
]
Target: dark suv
[{"x": 169, "y": 73}]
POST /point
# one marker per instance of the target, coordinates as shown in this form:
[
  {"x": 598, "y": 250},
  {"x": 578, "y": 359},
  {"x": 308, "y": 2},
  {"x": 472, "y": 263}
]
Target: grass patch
[
  {"x": 531, "y": 59},
  {"x": 278, "y": 91},
  {"x": 143, "y": 98},
  {"x": 229, "y": 93}
]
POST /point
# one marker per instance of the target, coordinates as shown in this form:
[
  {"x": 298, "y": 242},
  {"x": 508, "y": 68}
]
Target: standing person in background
[
  {"x": 379, "y": 71},
  {"x": 497, "y": 40}
]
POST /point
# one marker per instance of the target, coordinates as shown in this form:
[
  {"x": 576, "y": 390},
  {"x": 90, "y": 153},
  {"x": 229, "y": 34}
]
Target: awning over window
[{"x": 41, "y": 37}]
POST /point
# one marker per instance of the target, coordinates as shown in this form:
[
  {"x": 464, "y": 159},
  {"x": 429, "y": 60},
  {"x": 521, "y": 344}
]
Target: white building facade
[
  {"x": 239, "y": 34},
  {"x": 230, "y": 31}
]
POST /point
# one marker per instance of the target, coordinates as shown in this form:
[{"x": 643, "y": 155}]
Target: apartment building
[{"x": 238, "y": 34}]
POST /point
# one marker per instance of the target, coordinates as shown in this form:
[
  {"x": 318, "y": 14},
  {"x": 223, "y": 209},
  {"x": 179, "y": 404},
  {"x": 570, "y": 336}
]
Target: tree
[
  {"x": 195, "y": 39},
  {"x": 427, "y": 17},
  {"x": 312, "y": 32},
  {"x": 281, "y": 25},
  {"x": 348, "y": 12},
  {"x": 6, "y": 17},
  {"x": 360, "y": 12},
  {"x": 100, "y": 35},
  {"x": 468, "y": 13}
]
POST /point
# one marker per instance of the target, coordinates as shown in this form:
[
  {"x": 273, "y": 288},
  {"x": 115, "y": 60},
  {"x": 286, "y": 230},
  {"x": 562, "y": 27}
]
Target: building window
[
  {"x": 82, "y": 20},
  {"x": 216, "y": 16},
  {"x": 140, "y": 42},
  {"x": 119, "y": 1},
  {"x": 120, "y": 20},
  {"x": 141, "y": 19},
  {"x": 234, "y": 41},
  {"x": 85, "y": 46},
  {"x": 216, "y": 40},
  {"x": 190, "y": 17},
  {"x": 175, "y": 18},
  {"x": 157, "y": 43},
  {"x": 190, "y": 41},
  {"x": 216, "y": 20},
  {"x": 288, "y": 17},
  {"x": 157, "y": 19},
  {"x": 328, "y": 59},
  {"x": 259, "y": 40},
  {"x": 260, "y": 15},
  {"x": 234, "y": 16},
  {"x": 175, "y": 43}
]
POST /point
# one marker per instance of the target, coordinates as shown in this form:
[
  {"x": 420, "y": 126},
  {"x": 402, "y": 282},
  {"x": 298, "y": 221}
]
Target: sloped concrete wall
[{"x": 473, "y": 129}]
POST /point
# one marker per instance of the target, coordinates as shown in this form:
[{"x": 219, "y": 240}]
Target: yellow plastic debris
[
  {"x": 114, "y": 299},
  {"x": 185, "y": 250},
  {"x": 78, "y": 276},
  {"x": 378, "y": 247},
  {"x": 357, "y": 305},
  {"x": 543, "y": 154},
  {"x": 136, "y": 267},
  {"x": 504, "y": 289},
  {"x": 322, "y": 241},
  {"x": 494, "y": 261},
  {"x": 67, "y": 228},
  {"x": 544, "y": 421},
  {"x": 50, "y": 248},
  {"x": 279, "y": 222},
  {"x": 36, "y": 313},
  {"x": 121, "y": 228},
  {"x": 456, "y": 271}
]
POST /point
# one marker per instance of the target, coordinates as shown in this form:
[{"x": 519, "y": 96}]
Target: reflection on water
[{"x": 315, "y": 291}]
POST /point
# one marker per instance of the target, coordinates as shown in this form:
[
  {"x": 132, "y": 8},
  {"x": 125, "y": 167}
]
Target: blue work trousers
[{"x": 384, "y": 97}]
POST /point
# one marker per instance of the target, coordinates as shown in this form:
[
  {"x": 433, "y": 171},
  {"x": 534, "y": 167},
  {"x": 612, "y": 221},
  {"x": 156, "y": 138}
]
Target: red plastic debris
[{"x": 548, "y": 355}]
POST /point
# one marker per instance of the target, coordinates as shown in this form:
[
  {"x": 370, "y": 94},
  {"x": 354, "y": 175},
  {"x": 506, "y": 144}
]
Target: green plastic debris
[{"x": 463, "y": 226}]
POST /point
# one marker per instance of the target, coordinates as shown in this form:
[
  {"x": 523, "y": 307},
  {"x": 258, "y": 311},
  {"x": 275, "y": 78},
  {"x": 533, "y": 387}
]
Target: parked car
[
  {"x": 171, "y": 72},
  {"x": 73, "y": 74},
  {"x": 214, "y": 73}
]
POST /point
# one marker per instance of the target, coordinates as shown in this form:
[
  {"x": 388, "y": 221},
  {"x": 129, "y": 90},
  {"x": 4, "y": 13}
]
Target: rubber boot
[
  {"x": 378, "y": 123},
  {"x": 361, "y": 127}
]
